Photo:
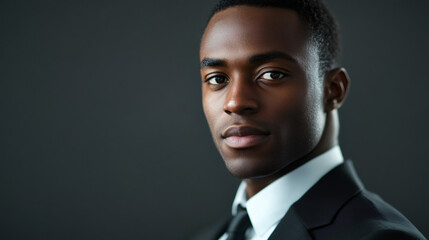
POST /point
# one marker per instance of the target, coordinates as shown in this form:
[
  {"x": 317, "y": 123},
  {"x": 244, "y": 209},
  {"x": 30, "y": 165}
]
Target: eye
[
  {"x": 216, "y": 80},
  {"x": 273, "y": 75}
]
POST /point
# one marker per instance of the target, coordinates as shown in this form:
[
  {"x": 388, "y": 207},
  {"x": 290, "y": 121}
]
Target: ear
[{"x": 337, "y": 84}]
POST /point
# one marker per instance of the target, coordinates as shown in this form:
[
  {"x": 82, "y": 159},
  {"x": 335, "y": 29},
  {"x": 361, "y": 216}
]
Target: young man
[{"x": 271, "y": 89}]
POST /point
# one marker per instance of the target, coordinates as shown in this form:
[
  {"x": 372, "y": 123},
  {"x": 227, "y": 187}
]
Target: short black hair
[{"x": 322, "y": 26}]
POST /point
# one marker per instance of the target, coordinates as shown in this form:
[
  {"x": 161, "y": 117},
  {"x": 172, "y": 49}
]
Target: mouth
[{"x": 244, "y": 136}]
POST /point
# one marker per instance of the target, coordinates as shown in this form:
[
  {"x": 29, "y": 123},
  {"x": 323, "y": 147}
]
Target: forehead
[{"x": 244, "y": 30}]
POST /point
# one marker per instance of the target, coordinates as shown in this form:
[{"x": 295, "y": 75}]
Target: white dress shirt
[{"x": 269, "y": 206}]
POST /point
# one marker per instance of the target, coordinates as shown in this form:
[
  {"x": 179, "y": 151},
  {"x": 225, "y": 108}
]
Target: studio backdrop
[{"x": 102, "y": 134}]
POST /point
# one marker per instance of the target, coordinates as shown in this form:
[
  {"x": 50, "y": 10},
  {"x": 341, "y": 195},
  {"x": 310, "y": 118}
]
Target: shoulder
[
  {"x": 380, "y": 229},
  {"x": 368, "y": 217},
  {"x": 392, "y": 234}
]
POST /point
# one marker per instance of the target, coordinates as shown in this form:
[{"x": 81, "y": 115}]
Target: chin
[{"x": 245, "y": 168}]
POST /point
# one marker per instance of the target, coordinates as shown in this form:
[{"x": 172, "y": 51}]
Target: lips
[{"x": 244, "y": 136}]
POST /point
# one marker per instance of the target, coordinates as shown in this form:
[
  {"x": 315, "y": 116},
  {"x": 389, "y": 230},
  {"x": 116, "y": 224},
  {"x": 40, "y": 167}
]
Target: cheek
[
  {"x": 297, "y": 112},
  {"x": 310, "y": 121},
  {"x": 212, "y": 107},
  {"x": 284, "y": 104},
  {"x": 315, "y": 102}
]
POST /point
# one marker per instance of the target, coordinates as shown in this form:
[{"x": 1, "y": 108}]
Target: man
[{"x": 271, "y": 89}]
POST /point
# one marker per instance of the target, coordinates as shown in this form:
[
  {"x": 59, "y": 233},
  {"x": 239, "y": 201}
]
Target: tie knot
[{"x": 238, "y": 225}]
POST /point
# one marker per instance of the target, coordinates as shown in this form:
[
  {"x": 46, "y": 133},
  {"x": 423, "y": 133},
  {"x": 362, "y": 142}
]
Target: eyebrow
[
  {"x": 270, "y": 56},
  {"x": 210, "y": 62},
  {"x": 263, "y": 57}
]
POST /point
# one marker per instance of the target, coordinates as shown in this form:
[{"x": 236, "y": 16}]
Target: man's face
[{"x": 262, "y": 96}]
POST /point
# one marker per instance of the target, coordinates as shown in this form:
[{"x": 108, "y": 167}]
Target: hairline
[{"x": 310, "y": 34}]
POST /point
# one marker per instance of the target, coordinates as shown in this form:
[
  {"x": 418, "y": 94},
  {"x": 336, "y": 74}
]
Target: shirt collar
[{"x": 269, "y": 205}]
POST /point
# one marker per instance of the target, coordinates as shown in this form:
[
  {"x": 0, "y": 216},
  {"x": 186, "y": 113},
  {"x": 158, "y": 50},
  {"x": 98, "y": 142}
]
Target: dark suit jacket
[{"x": 337, "y": 207}]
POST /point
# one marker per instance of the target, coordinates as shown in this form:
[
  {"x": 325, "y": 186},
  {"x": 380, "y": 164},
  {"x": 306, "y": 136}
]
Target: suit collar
[
  {"x": 320, "y": 204},
  {"x": 271, "y": 204},
  {"x": 316, "y": 208}
]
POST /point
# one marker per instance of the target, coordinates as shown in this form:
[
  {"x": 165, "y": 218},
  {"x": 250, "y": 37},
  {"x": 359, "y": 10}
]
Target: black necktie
[{"x": 238, "y": 225}]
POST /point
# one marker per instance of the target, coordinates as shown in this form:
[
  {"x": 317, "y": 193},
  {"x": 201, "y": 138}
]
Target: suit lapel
[
  {"x": 320, "y": 204},
  {"x": 290, "y": 227}
]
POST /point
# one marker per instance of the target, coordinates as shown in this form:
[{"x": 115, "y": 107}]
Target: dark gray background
[{"x": 102, "y": 131}]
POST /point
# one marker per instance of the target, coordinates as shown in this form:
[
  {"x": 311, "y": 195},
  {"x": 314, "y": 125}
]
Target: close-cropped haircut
[{"x": 320, "y": 23}]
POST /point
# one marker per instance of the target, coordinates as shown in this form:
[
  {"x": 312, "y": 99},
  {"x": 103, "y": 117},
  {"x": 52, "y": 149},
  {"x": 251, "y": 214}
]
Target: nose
[{"x": 241, "y": 97}]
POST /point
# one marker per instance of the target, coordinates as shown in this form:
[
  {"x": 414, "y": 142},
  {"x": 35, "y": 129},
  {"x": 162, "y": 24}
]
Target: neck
[{"x": 328, "y": 140}]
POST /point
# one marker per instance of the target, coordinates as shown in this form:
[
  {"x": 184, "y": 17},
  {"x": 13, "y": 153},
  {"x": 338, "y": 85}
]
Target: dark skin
[{"x": 268, "y": 107}]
